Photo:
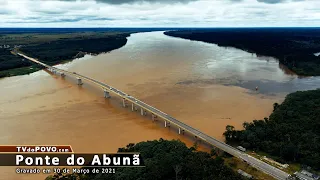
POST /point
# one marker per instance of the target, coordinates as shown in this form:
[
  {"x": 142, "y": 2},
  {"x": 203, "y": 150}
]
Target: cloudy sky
[{"x": 159, "y": 13}]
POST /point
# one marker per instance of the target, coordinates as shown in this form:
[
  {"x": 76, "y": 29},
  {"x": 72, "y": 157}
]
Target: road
[{"x": 262, "y": 166}]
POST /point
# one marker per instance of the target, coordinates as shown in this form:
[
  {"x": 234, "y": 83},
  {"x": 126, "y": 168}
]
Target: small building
[
  {"x": 241, "y": 148},
  {"x": 245, "y": 174},
  {"x": 303, "y": 176},
  {"x": 306, "y": 173},
  {"x": 309, "y": 174}
]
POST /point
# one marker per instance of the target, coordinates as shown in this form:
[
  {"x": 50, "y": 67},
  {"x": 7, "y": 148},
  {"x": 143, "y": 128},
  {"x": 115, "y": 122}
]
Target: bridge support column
[
  {"x": 153, "y": 117},
  {"x": 124, "y": 102},
  {"x": 179, "y": 130},
  {"x": 106, "y": 94},
  {"x": 132, "y": 107},
  {"x": 142, "y": 112},
  {"x": 166, "y": 124},
  {"x": 79, "y": 81}
]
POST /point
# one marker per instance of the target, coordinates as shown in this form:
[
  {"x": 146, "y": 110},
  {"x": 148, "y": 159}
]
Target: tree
[
  {"x": 228, "y": 134},
  {"x": 177, "y": 169},
  {"x": 275, "y": 106},
  {"x": 290, "y": 134},
  {"x": 168, "y": 160},
  {"x": 213, "y": 152}
]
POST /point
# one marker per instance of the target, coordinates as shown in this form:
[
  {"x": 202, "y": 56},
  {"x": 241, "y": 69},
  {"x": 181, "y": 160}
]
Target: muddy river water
[{"x": 200, "y": 84}]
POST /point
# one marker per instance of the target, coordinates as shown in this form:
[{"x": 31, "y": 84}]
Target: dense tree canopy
[
  {"x": 54, "y": 48},
  {"x": 167, "y": 160},
  {"x": 294, "y": 47},
  {"x": 292, "y": 132},
  {"x": 67, "y": 49}
]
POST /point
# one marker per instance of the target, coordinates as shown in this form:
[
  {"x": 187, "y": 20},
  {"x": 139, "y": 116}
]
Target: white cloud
[{"x": 201, "y": 13}]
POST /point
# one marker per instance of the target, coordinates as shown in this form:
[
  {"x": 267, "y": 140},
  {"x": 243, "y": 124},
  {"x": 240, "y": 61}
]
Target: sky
[{"x": 159, "y": 13}]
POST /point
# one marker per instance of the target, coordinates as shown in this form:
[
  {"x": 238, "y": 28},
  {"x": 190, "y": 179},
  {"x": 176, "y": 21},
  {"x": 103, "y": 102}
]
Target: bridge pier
[
  {"x": 221, "y": 147},
  {"x": 106, "y": 94},
  {"x": 166, "y": 124},
  {"x": 153, "y": 117},
  {"x": 132, "y": 107},
  {"x": 79, "y": 81},
  {"x": 124, "y": 102}
]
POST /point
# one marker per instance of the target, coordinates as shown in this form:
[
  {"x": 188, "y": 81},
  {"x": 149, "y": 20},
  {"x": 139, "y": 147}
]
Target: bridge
[{"x": 144, "y": 108}]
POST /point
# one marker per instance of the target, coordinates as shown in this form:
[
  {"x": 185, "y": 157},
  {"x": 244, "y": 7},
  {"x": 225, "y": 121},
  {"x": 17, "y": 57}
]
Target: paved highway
[{"x": 275, "y": 172}]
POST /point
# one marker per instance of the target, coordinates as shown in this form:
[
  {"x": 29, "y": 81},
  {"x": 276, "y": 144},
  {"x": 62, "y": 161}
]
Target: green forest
[
  {"x": 291, "y": 133},
  {"x": 165, "y": 160},
  {"x": 54, "y": 48}
]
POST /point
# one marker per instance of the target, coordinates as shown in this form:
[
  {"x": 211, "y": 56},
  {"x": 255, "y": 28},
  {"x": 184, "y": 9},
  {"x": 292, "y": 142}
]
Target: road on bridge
[{"x": 266, "y": 168}]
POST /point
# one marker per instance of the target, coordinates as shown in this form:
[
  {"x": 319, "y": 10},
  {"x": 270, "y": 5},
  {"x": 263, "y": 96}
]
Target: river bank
[
  {"x": 293, "y": 47},
  {"x": 55, "y": 48},
  {"x": 290, "y": 134}
]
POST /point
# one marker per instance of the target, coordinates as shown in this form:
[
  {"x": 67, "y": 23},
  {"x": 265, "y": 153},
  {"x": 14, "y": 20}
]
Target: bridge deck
[{"x": 275, "y": 172}]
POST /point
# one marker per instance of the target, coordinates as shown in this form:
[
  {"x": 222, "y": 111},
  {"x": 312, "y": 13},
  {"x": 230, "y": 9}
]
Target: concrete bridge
[{"x": 167, "y": 120}]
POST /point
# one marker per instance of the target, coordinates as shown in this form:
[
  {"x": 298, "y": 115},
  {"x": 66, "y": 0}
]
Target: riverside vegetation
[
  {"x": 54, "y": 45},
  {"x": 165, "y": 160},
  {"x": 293, "y": 47},
  {"x": 290, "y": 134},
  {"x": 54, "y": 48}
]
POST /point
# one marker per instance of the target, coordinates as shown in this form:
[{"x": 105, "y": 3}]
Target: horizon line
[{"x": 161, "y": 27}]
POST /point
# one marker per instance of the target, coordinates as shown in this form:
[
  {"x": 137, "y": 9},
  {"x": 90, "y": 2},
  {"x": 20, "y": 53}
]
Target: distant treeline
[
  {"x": 56, "y": 51},
  {"x": 165, "y": 160},
  {"x": 291, "y": 133},
  {"x": 75, "y": 30},
  {"x": 294, "y": 47},
  {"x": 55, "y": 48}
]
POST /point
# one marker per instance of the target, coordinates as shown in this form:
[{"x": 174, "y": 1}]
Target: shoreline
[
  {"x": 290, "y": 58},
  {"x": 31, "y": 69},
  {"x": 26, "y": 70}
]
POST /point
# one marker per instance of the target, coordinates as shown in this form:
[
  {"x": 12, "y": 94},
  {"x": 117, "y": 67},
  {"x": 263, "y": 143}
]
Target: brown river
[{"x": 200, "y": 84}]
